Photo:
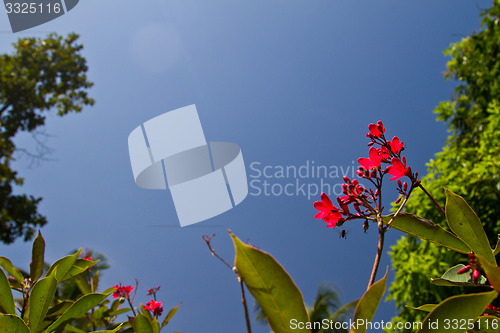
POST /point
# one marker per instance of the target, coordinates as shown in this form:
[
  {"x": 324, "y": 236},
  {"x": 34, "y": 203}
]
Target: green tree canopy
[
  {"x": 40, "y": 75},
  {"x": 469, "y": 165}
]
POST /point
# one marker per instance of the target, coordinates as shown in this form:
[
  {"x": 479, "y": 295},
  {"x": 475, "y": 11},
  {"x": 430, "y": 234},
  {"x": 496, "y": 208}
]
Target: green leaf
[
  {"x": 496, "y": 251},
  {"x": 425, "y": 307},
  {"x": 73, "y": 329},
  {"x": 81, "y": 306},
  {"x": 119, "y": 312},
  {"x": 425, "y": 229},
  {"x": 142, "y": 324},
  {"x": 6, "y": 299},
  {"x": 462, "y": 308},
  {"x": 9, "y": 268},
  {"x": 82, "y": 284},
  {"x": 146, "y": 313},
  {"x": 169, "y": 316},
  {"x": 37, "y": 256},
  {"x": 109, "y": 331},
  {"x": 41, "y": 296},
  {"x": 492, "y": 272},
  {"x": 368, "y": 304},
  {"x": 271, "y": 286},
  {"x": 63, "y": 265},
  {"x": 80, "y": 266},
  {"x": 451, "y": 278},
  {"x": 12, "y": 324},
  {"x": 467, "y": 226}
]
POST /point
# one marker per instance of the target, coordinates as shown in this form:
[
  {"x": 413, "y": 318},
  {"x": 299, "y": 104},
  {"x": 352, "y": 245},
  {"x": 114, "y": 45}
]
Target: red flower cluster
[
  {"x": 492, "y": 310},
  {"x": 473, "y": 265},
  {"x": 155, "y": 307},
  {"x": 388, "y": 152},
  {"x": 122, "y": 291}
]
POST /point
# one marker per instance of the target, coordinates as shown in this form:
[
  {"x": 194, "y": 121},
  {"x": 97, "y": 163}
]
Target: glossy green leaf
[
  {"x": 6, "y": 299},
  {"x": 80, "y": 266},
  {"x": 169, "y": 316},
  {"x": 9, "y": 268},
  {"x": 81, "y": 306},
  {"x": 452, "y": 279},
  {"x": 142, "y": 324},
  {"x": 464, "y": 222},
  {"x": 271, "y": 286},
  {"x": 425, "y": 229},
  {"x": 37, "y": 257},
  {"x": 12, "y": 324},
  {"x": 41, "y": 296},
  {"x": 462, "y": 307},
  {"x": 63, "y": 265},
  {"x": 425, "y": 307},
  {"x": 368, "y": 304},
  {"x": 58, "y": 309},
  {"x": 492, "y": 272}
]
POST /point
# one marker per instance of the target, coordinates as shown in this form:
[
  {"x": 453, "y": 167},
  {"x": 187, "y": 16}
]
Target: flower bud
[
  {"x": 405, "y": 186},
  {"x": 346, "y": 179},
  {"x": 399, "y": 183},
  {"x": 398, "y": 200}
]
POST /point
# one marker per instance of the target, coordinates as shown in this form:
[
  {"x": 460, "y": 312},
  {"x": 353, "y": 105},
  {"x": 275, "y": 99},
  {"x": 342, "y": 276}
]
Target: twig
[
  {"x": 430, "y": 196},
  {"x": 207, "y": 240},
  {"x": 380, "y": 247}
]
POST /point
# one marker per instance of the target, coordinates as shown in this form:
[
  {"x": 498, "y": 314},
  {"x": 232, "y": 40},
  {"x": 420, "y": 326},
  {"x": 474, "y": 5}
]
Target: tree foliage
[
  {"x": 468, "y": 165},
  {"x": 40, "y": 75}
]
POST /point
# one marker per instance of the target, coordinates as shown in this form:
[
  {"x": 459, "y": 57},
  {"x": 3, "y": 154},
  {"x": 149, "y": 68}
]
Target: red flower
[
  {"x": 397, "y": 169},
  {"x": 87, "y": 258},
  {"x": 373, "y": 162},
  {"x": 122, "y": 291},
  {"x": 327, "y": 211},
  {"x": 396, "y": 145},
  {"x": 376, "y": 130},
  {"x": 153, "y": 290},
  {"x": 154, "y": 306}
]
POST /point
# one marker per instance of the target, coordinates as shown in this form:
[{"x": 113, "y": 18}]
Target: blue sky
[{"x": 291, "y": 82}]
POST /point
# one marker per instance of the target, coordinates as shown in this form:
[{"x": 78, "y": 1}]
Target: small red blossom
[
  {"x": 397, "y": 169},
  {"x": 153, "y": 290},
  {"x": 327, "y": 211},
  {"x": 373, "y": 162},
  {"x": 88, "y": 258},
  {"x": 122, "y": 291},
  {"x": 155, "y": 307},
  {"x": 396, "y": 145},
  {"x": 376, "y": 130}
]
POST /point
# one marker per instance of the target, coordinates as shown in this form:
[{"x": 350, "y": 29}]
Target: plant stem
[
  {"x": 244, "y": 301},
  {"x": 430, "y": 196},
  {"x": 378, "y": 256},
  {"x": 130, "y": 303},
  {"x": 207, "y": 240}
]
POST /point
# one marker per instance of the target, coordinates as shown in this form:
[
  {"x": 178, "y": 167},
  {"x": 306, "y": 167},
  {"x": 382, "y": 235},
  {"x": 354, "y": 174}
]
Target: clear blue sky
[{"x": 290, "y": 81}]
